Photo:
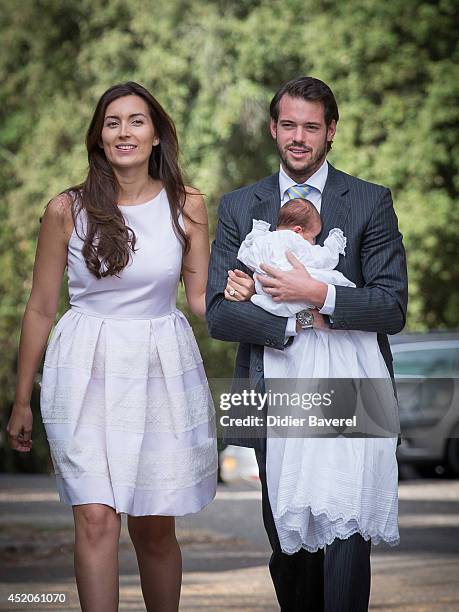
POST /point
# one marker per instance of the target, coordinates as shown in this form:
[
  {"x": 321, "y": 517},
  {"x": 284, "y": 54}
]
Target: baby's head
[{"x": 301, "y": 217}]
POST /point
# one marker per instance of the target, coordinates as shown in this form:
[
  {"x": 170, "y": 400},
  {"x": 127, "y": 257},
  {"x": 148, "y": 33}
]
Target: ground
[{"x": 225, "y": 551}]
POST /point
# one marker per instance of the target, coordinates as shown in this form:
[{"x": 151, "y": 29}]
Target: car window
[{"x": 427, "y": 362}]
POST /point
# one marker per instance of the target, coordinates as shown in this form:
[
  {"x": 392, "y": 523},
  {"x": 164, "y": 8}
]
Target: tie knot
[{"x": 299, "y": 191}]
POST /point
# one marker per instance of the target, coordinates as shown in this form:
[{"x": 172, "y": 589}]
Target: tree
[{"x": 215, "y": 65}]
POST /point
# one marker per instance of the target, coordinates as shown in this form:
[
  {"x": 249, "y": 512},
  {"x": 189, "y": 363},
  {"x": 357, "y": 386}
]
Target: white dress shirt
[{"x": 316, "y": 180}]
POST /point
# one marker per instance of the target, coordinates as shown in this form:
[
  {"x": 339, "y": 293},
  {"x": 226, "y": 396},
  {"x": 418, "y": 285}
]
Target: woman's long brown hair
[{"x": 108, "y": 241}]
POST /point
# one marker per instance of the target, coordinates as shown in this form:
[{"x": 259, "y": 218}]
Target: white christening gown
[
  {"x": 262, "y": 246},
  {"x": 324, "y": 488},
  {"x": 125, "y": 400}
]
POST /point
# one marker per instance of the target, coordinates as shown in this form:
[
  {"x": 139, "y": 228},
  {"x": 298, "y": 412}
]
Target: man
[{"x": 304, "y": 116}]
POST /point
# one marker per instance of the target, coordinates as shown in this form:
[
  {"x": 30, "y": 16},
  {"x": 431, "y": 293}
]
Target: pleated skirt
[{"x": 128, "y": 414}]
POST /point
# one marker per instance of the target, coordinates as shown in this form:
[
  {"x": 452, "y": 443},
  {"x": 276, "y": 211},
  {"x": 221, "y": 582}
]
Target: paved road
[{"x": 225, "y": 551}]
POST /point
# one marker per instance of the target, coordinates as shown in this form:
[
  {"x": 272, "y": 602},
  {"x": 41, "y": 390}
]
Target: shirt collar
[{"x": 316, "y": 180}]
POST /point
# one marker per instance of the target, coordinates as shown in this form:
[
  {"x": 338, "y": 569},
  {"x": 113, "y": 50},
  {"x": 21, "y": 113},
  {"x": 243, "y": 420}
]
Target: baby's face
[{"x": 310, "y": 234}]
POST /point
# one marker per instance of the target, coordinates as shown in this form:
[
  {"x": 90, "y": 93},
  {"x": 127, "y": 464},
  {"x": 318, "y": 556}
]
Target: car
[
  {"x": 238, "y": 463},
  {"x": 426, "y": 367}
]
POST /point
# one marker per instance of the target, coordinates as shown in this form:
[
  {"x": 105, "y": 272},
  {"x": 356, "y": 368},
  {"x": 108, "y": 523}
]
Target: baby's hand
[{"x": 239, "y": 287}]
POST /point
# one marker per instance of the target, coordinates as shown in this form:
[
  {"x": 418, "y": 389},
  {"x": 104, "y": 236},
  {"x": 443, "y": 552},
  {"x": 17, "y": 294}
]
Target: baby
[
  {"x": 321, "y": 489},
  {"x": 298, "y": 225}
]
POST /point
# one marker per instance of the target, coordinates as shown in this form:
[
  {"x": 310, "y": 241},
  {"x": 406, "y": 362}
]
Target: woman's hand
[
  {"x": 239, "y": 287},
  {"x": 19, "y": 428}
]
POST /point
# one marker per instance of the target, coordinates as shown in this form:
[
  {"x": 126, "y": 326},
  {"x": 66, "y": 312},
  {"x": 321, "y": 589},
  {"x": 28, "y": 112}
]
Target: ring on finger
[{"x": 232, "y": 292}]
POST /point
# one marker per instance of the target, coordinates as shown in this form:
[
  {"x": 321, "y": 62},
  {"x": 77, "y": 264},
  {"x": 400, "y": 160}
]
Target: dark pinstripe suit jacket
[{"x": 374, "y": 261}]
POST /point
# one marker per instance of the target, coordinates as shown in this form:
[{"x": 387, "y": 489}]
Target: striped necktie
[{"x": 299, "y": 191}]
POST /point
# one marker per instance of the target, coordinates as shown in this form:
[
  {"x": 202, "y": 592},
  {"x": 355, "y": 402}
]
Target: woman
[{"x": 125, "y": 401}]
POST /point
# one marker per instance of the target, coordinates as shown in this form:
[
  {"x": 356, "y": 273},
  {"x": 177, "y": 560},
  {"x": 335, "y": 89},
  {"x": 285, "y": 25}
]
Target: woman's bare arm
[
  {"x": 196, "y": 261},
  {"x": 50, "y": 262}
]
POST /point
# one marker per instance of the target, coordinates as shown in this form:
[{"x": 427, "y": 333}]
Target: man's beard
[{"x": 302, "y": 173}]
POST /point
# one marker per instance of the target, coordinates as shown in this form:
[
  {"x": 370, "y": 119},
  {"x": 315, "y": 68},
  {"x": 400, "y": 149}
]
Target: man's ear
[
  {"x": 331, "y": 130},
  {"x": 273, "y": 128}
]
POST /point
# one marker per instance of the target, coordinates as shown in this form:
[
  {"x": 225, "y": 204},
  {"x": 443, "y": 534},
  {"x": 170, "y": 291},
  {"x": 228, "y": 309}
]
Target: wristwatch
[{"x": 305, "y": 318}]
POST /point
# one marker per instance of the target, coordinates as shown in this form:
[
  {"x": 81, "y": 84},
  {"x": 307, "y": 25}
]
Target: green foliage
[{"x": 214, "y": 65}]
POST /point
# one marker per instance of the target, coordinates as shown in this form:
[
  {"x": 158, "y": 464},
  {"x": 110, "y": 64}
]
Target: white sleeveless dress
[{"x": 124, "y": 400}]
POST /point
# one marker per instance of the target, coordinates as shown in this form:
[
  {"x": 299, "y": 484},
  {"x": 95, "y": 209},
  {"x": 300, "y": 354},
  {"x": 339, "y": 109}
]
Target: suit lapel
[
  {"x": 335, "y": 206},
  {"x": 267, "y": 200}
]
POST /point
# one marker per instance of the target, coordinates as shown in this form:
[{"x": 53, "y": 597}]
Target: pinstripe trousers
[{"x": 337, "y": 580}]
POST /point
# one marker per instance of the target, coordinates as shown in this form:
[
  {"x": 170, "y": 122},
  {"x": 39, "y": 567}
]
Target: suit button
[{"x": 259, "y": 368}]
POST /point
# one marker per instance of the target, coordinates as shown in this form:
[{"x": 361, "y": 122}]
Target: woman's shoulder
[
  {"x": 195, "y": 206},
  {"x": 61, "y": 205},
  {"x": 193, "y": 197},
  {"x": 60, "y": 210}
]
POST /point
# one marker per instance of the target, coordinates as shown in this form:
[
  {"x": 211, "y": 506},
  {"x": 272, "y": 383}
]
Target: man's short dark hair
[{"x": 310, "y": 89}]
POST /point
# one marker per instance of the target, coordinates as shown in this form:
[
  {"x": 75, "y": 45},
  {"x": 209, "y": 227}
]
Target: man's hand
[
  {"x": 295, "y": 285},
  {"x": 239, "y": 287}
]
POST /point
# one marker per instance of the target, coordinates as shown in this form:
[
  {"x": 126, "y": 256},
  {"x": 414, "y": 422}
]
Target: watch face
[{"x": 305, "y": 318}]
